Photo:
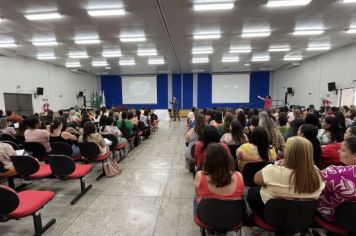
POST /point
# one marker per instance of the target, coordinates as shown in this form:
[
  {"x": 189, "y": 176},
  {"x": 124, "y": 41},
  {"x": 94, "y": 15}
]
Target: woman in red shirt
[
  {"x": 218, "y": 178},
  {"x": 268, "y": 101}
]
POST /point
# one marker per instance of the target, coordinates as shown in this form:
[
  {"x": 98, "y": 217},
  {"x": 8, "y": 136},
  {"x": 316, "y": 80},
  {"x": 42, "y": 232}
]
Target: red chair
[
  {"x": 115, "y": 146},
  {"x": 344, "y": 224},
  {"x": 91, "y": 152},
  {"x": 29, "y": 168},
  {"x": 18, "y": 205},
  {"x": 64, "y": 168}
]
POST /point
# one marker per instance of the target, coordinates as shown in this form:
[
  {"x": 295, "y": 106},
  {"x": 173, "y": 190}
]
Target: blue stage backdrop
[{"x": 182, "y": 89}]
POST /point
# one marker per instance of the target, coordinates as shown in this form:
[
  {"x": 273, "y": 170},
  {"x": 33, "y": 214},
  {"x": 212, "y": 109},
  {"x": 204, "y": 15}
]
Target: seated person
[
  {"x": 295, "y": 177},
  {"x": 125, "y": 125},
  {"x": 5, "y": 128},
  {"x": 252, "y": 124},
  {"x": 13, "y": 117},
  {"x": 282, "y": 124},
  {"x": 110, "y": 128},
  {"x": 35, "y": 134},
  {"x": 6, "y": 151},
  {"x": 210, "y": 135},
  {"x": 217, "y": 179},
  {"x": 330, "y": 132},
  {"x": 226, "y": 127},
  {"x": 340, "y": 181},
  {"x": 57, "y": 135},
  {"x": 235, "y": 136},
  {"x": 90, "y": 135},
  {"x": 258, "y": 149},
  {"x": 310, "y": 132}
]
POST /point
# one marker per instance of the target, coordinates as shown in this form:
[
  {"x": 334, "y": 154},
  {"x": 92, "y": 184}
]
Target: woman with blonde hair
[
  {"x": 294, "y": 177},
  {"x": 275, "y": 137}
]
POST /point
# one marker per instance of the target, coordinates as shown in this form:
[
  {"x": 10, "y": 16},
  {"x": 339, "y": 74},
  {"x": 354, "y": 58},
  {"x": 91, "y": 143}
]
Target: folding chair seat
[
  {"x": 60, "y": 148},
  {"x": 29, "y": 168},
  {"x": 37, "y": 150},
  {"x": 91, "y": 152},
  {"x": 19, "y": 205},
  {"x": 64, "y": 168},
  {"x": 345, "y": 216},
  {"x": 220, "y": 216},
  {"x": 284, "y": 216}
]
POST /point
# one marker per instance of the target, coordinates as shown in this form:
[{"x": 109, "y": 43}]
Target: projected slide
[
  {"x": 139, "y": 90},
  {"x": 231, "y": 88}
]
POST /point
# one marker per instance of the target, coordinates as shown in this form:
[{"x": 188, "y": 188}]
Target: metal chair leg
[
  {"x": 102, "y": 174},
  {"x": 37, "y": 221},
  {"x": 83, "y": 190}
]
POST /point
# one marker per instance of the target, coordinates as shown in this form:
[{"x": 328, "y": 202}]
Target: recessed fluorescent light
[
  {"x": 214, "y": 7},
  {"x": 279, "y": 49},
  {"x": 156, "y": 61},
  {"x": 45, "y": 43},
  {"x": 349, "y": 1},
  {"x": 247, "y": 64},
  {"x": 77, "y": 55},
  {"x": 129, "y": 39},
  {"x": 260, "y": 58},
  {"x": 73, "y": 64},
  {"x": 255, "y": 34},
  {"x": 200, "y": 60},
  {"x": 147, "y": 52},
  {"x": 46, "y": 57},
  {"x": 206, "y": 36},
  {"x": 240, "y": 50},
  {"x": 202, "y": 50},
  {"x": 127, "y": 62},
  {"x": 99, "y": 63},
  {"x": 308, "y": 32},
  {"x": 287, "y": 3},
  {"x": 351, "y": 31},
  {"x": 43, "y": 16},
  {"x": 318, "y": 48},
  {"x": 197, "y": 71},
  {"x": 106, "y": 12},
  {"x": 293, "y": 58},
  {"x": 111, "y": 54},
  {"x": 8, "y": 45},
  {"x": 87, "y": 41},
  {"x": 108, "y": 68},
  {"x": 2, "y": 19},
  {"x": 230, "y": 59}
]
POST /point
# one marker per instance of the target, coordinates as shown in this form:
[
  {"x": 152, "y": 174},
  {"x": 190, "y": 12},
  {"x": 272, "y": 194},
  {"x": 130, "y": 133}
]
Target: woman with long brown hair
[{"x": 294, "y": 177}]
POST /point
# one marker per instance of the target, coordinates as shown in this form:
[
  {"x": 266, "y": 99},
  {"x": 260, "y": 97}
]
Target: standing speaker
[
  {"x": 290, "y": 90},
  {"x": 39, "y": 91},
  {"x": 331, "y": 86}
]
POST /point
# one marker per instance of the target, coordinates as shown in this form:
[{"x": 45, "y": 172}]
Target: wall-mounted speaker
[
  {"x": 39, "y": 91},
  {"x": 331, "y": 86},
  {"x": 290, "y": 90},
  {"x": 80, "y": 94}
]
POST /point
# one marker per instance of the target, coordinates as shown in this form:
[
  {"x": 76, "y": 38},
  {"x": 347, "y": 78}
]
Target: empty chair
[
  {"x": 18, "y": 205},
  {"x": 91, "y": 152},
  {"x": 60, "y": 148},
  {"x": 345, "y": 216},
  {"x": 251, "y": 169},
  {"x": 220, "y": 215},
  {"x": 287, "y": 216},
  {"x": 64, "y": 168},
  {"x": 29, "y": 168},
  {"x": 36, "y": 149}
]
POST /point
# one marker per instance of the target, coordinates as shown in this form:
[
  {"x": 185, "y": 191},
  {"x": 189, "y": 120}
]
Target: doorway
[{"x": 20, "y": 103}]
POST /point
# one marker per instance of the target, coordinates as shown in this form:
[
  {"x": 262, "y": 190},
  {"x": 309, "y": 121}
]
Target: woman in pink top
[
  {"x": 34, "y": 134},
  {"x": 340, "y": 181},
  {"x": 218, "y": 178}
]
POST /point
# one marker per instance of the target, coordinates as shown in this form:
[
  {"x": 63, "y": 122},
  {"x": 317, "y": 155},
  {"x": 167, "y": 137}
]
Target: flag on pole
[{"x": 103, "y": 102}]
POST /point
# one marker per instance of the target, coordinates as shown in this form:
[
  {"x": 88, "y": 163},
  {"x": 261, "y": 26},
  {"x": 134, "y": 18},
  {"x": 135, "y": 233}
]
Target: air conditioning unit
[
  {"x": 79, "y": 71},
  {"x": 4, "y": 52}
]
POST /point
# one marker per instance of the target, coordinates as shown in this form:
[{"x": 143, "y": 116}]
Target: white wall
[
  {"x": 60, "y": 85},
  {"x": 310, "y": 80}
]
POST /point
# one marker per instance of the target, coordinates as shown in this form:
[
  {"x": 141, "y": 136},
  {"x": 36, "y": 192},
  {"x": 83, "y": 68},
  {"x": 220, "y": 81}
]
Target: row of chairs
[{"x": 281, "y": 216}]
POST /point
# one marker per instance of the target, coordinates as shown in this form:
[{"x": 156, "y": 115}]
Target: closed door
[{"x": 19, "y": 103}]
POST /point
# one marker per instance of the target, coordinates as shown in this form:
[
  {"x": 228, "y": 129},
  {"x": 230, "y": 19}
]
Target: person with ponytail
[{"x": 58, "y": 135}]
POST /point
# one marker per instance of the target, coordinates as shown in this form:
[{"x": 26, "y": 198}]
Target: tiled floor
[{"x": 153, "y": 196}]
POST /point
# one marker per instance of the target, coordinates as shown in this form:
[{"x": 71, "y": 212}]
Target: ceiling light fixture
[
  {"x": 260, "y": 58},
  {"x": 46, "y": 57},
  {"x": 156, "y": 61},
  {"x": 111, "y": 54},
  {"x": 349, "y": 1},
  {"x": 214, "y": 7},
  {"x": 202, "y": 50},
  {"x": 308, "y": 32},
  {"x": 318, "y": 48},
  {"x": 129, "y": 39},
  {"x": 200, "y": 60},
  {"x": 87, "y": 41},
  {"x": 240, "y": 50},
  {"x": 293, "y": 58},
  {"x": 73, "y": 64},
  {"x": 230, "y": 59},
  {"x": 255, "y": 34},
  {"x": 78, "y": 55},
  {"x": 351, "y": 31},
  {"x": 147, "y": 52},
  {"x": 106, "y": 12},
  {"x": 8, "y": 45},
  {"x": 45, "y": 43},
  {"x": 206, "y": 36},
  {"x": 127, "y": 62},
  {"x": 279, "y": 49},
  {"x": 43, "y": 16},
  {"x": 287, "y": 3},
  {"x": 99, "y": 63}
]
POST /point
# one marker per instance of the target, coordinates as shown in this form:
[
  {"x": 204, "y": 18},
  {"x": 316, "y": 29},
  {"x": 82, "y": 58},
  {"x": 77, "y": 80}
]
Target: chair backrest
[
  {"x": 37, "y": 149},
  {"x": 233, "y": 149},
  {"x": 9, "y": 137},
  {"x": 61, "y": 148},
  {"x": 345, "y": 216},
  {"x": 25, "y": 165},
  {"x": 13, "y": 145},
  {"x": 222, "y": 215},
  {"x": 126, "y": 133},
  {"x": 250, "y": 169},
  {"x": 113, "y": 140},
  {"x": 61, "y": 165},
  {"x": 9, "y": 200},
  {"x": 192, "y": 151},
  {"x": 290, "y": 216},
  {"x": 89, "y": 150}
]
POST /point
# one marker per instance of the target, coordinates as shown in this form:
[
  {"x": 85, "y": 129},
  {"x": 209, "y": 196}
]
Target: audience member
[
  {"x": 6, "y": 151},
  {"x": 310, "y": 132},
  {"x": 5, "y": 128},
  {"x": 330, "y": 132},
  {"x": 235, "y": 136},
  {"x": 275, "y": 137},
  {"x": 225, "y": 128},
  {"x": 35, "y": 134}
]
